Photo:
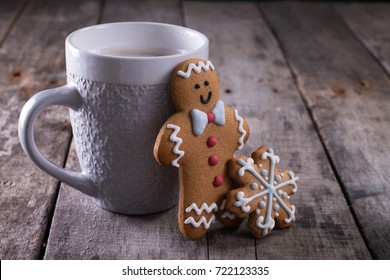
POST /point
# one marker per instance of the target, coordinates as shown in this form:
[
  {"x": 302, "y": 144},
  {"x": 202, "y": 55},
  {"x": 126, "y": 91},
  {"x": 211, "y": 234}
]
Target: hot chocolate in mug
[{"x": 118, "y": 94}]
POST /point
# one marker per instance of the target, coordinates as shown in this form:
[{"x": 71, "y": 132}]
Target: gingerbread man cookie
[
  {"x": 264, "y": 192},
  {"x": 199, "y": 139}
]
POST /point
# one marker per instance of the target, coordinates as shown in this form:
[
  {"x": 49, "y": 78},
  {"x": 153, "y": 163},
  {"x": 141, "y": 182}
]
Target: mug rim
[
  {"x": 110, "y": 24},
  {"x": 82, "y": 61}
]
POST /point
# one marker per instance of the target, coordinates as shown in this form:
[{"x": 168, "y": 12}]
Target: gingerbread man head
[{"x": 194, "y": 85}]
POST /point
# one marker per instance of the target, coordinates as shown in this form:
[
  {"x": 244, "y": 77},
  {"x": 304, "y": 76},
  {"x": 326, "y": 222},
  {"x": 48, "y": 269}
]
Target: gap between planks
[{"x": 18, "y": 14}]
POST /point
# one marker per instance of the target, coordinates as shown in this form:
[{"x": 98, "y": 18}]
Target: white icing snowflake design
[{"x": 266, "y": 193}]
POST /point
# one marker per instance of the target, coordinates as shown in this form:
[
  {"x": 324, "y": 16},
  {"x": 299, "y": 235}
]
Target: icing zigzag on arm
[
  {"x": 174, "y": 138},
  {"x": 241, "y": 129}
]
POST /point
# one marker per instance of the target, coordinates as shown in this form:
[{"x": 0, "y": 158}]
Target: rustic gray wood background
[{"x": 312, "y": 79}]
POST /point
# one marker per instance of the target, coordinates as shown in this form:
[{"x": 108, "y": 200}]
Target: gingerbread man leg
[{"x": 199, "y": 207}]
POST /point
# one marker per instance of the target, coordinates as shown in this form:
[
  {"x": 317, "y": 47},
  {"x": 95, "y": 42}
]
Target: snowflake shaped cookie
[{"x": 264, "y": 192}]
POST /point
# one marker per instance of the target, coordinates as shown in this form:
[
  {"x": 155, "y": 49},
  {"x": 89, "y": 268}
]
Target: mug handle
[{"x": 69, "y": 96}]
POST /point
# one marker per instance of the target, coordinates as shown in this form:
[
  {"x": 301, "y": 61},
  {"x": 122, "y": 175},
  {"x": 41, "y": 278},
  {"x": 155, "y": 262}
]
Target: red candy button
[
  {"x": 218, "y": 181},
  {"x": 210, "y": 117},
  {"x": 213, "y": 160},
  {"x": 211, "y": 141}
]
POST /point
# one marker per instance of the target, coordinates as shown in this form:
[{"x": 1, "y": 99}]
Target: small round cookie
[
  {"x": 263, "y": 192},
  {"x": 199, "y": 139}
]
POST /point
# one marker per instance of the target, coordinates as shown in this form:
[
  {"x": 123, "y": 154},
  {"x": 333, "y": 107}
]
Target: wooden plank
[
  {"x": 81, "y": 230},
  {"x": 32, "y": 59},
  {"x": 9, "y": 12},
  {"x": 166, "y": 11},
  {"x": 255, "y": 79},
  {"x": 376, "y": 224},
  {"x": 348, "y": 95},
  {"x": 370, "y": 22}
]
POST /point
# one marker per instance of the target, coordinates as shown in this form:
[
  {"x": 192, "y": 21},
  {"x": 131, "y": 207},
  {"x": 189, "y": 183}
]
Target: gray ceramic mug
[{"x": 118, "y": 93}]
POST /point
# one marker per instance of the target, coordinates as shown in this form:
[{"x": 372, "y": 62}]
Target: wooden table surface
[{"x": 312, "y": 79}]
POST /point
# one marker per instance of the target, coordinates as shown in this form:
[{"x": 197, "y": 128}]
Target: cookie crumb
[
  {"x": 338, "y": 90},
  {"x": 364, "y": 83}
]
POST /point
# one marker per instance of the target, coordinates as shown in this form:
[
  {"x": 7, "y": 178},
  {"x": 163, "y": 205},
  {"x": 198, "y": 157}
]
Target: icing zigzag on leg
[
  {"x": 202, "y": 220},
  {"x": 203, "y": 207}
]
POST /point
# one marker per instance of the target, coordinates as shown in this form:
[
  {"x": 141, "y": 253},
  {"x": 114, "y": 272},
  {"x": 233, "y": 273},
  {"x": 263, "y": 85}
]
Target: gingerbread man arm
[{"x": 168, "y": 148}]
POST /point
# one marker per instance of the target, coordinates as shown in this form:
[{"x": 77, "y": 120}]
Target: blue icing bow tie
[{"x": 201, "y": 119}]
